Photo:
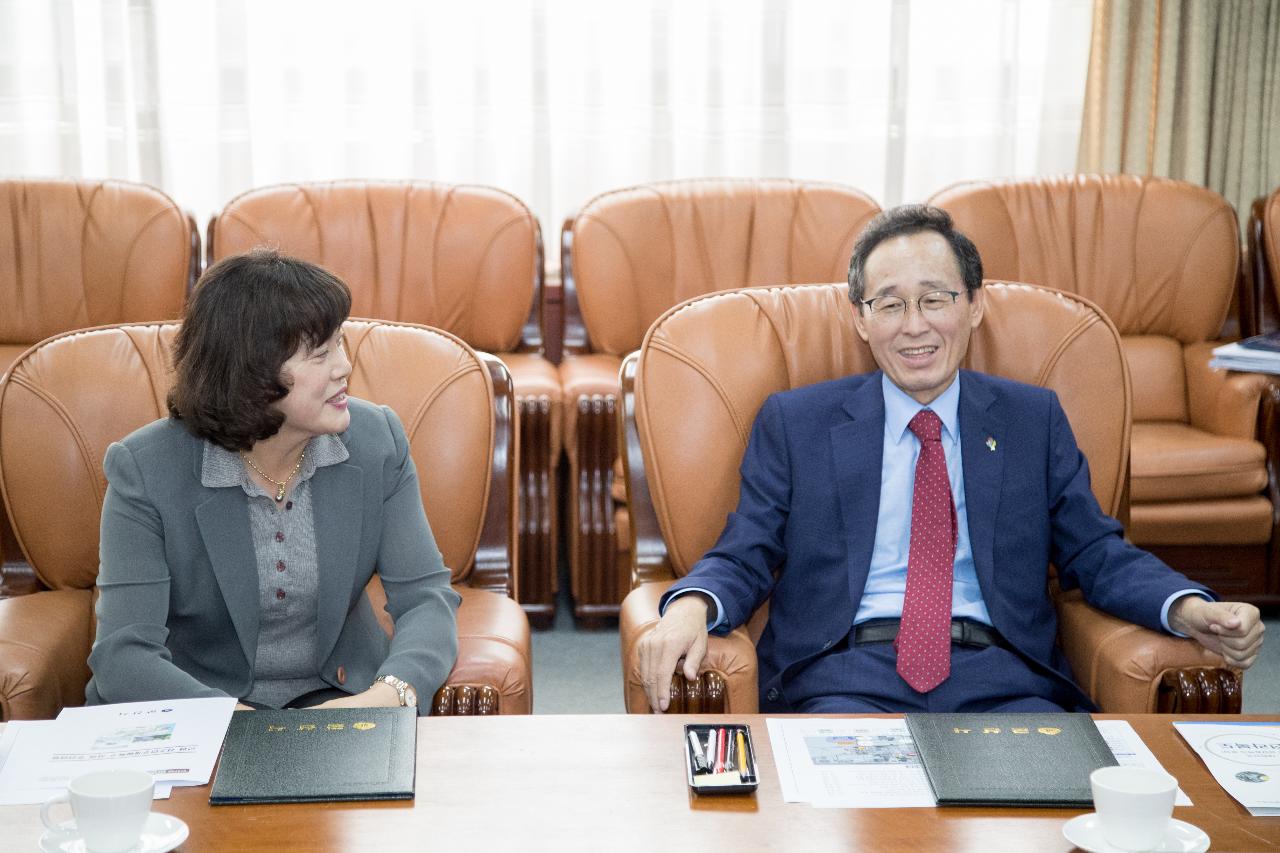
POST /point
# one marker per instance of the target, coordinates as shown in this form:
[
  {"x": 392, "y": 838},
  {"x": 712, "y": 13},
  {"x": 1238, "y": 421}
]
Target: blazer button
[
  {"x": 772, "y": 695},
  {"x": 342, "y": 675}
]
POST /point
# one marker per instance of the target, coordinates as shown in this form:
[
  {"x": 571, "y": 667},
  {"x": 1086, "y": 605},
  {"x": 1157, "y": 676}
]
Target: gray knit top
[{"x": 284, "y": 543}]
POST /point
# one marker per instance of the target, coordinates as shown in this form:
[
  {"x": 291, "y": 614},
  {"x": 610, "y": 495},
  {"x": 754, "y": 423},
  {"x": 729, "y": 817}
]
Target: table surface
[{"x": 618, "y": 783}]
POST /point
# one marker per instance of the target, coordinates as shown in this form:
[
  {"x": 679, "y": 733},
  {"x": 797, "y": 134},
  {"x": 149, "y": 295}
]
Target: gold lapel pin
[{"x": 991, "y": 444}]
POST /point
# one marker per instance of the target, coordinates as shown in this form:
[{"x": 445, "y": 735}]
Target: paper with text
[
  {"x": 849, "y": 763},
  {"x": 1244, "y": 758}
]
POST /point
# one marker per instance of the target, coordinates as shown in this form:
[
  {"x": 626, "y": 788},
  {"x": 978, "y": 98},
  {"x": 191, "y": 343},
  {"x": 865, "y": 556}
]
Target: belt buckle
[{"x": 967, "y": 635}]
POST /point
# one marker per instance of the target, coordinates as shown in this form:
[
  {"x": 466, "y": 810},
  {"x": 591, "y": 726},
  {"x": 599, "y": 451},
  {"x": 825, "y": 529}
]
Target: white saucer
[
  {"x": 1085, "y": 832},
  {"x": 160, "y": 833}
]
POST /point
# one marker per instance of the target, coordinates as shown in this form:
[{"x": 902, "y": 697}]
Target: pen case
[{"x": 743, "y": 778}]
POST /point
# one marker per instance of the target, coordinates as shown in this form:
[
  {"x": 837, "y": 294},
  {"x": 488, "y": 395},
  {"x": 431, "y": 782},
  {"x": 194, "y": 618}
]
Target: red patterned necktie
[{"x": 924, "y": 638}]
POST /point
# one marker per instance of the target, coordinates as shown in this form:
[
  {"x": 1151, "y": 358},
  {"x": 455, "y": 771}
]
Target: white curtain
[{"x": 553, "y": 100}]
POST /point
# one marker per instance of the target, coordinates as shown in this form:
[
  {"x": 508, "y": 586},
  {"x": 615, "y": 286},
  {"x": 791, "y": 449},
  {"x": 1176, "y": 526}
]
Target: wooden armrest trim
[
  {"x": 465, "y": 700},
  {"x": 493, "y": 569},
  {"x": 598, "y": 589},
  {"x": 1199, "y": 690},
  {"x": 708, "y": 695},
  {"x": 535, "y": 578}
]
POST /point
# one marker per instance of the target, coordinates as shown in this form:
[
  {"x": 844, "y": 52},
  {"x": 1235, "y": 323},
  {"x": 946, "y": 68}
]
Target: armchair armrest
[
  {"x": 727, "y": 678},
  {"x": 492, "y": 674},
  {"x": 1128, "y": 669},
  {"x": 44, "y": 652},
  {"x": 1223, "y": 402}
]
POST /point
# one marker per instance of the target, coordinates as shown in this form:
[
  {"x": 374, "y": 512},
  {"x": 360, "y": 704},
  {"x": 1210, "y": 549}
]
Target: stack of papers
[
  {"x": 1244, "y": 758},
  {"x": 873, "y": 763},
  {"x": 1259, "y": 354},
  {"x": 176, "y": 741}
]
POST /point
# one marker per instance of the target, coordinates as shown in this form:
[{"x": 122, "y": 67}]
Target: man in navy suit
[{"x": 833, "y": 474}]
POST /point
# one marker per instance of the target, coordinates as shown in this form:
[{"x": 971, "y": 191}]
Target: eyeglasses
[{"x": 933, "y": 303}]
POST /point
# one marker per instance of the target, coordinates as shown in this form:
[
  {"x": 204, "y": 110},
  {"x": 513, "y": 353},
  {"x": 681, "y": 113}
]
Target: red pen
[{"x": 721, "y": 742}]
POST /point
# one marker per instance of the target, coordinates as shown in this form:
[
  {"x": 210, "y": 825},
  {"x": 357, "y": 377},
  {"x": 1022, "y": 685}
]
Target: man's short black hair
[
  {"x": 247, "y": 316},
  {"x": 911, "y": 219}
]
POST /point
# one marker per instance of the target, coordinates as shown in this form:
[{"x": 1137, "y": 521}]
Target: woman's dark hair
[
  {"x": 247, "y": 316},
  {"x": 912, "y": 219}
]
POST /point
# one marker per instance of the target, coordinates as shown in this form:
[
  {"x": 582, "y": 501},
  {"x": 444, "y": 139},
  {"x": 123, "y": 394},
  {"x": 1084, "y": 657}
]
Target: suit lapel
[
  {"x": 857, "y": 445},
  {"x": 337, "y": 498},
  {"x": 224, "y": 526},
  {"x": 982, "y": 438}
]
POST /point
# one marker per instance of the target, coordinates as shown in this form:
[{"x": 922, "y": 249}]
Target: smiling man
[{"x": 924, "y": 590}]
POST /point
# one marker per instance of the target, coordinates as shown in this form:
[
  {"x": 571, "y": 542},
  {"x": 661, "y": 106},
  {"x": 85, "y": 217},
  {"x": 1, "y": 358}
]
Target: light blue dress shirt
[{"x": 887, "y": 577}]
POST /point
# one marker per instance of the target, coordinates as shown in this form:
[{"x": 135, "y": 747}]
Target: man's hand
[
  {"x": 380, "y": 695},
  {"x": 240, "y": 706},
  {"x": 1230, "y": 628},
  {"x": 682, "y": 632}
]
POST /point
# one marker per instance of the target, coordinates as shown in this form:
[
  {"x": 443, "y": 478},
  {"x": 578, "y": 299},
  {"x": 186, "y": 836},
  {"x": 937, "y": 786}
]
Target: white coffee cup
[
  {"x": 110, "y": 808},
  {"x": 1134, "y": 805}
]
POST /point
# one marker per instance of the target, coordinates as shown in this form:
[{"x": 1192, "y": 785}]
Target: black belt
[{"x": 963, "y": 631}]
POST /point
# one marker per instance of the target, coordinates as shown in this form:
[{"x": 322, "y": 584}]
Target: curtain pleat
[
  {"x": 553, "y": 100},
  {"x": 1185, "y": 89}
]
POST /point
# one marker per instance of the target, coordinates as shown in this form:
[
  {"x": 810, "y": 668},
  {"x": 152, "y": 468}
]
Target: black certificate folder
[
  {"x": 317, "y": 756},
  {"x": 1010, "y": 759}
]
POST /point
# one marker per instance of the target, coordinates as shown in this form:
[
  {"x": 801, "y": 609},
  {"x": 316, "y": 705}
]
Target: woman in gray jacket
[{"x": 239, "y": 533}]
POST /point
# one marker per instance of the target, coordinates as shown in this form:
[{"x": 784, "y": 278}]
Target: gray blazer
[{"x": 178, "y": 611}]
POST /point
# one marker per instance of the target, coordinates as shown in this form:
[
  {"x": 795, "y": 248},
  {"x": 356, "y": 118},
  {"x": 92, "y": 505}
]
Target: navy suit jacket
[{"x": 805, "y": 524}]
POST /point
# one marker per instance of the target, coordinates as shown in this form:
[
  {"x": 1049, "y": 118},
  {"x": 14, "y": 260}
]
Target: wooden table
[{"x": 617, "y": 783}]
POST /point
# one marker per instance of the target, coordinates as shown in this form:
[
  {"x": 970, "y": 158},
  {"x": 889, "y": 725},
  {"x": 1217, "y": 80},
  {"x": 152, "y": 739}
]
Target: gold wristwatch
[{"x": 408, "y": 696}]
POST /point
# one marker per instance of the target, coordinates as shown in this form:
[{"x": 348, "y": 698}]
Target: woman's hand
[{"x": 380, "y": 695}]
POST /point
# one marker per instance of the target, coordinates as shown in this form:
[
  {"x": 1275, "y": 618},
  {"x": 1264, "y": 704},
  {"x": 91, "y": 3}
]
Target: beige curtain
[
  {"x": 553, "y": 100},
  {"x": 1186, "y": 89}
]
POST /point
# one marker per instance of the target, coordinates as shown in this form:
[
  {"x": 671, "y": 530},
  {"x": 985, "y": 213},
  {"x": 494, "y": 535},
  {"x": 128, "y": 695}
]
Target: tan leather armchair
[
  {"x": 691, "y": 396},
  {"x": 466, "y": 259},
  {"x": 82, "y": 253},
  {"x": 1160, "y": 257},
  {"x": 65, "y": 400},
  {"x": 627, "y": 257}
]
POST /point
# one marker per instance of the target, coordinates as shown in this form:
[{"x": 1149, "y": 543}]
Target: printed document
[
  {"x": 1243, "y": 757},
  {"x": 12, "y": 791},
  {"x": 873, "y": 763},
  {"x": 176, "y": 741},
  {"x": 1130, "y": 751},
  {"x": 846, "y": 763}
]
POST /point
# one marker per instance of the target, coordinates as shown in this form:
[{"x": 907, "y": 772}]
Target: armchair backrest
[
  {"x": 706, "y": 367},
  {"x": 1260, "y": 302},
  {"x": 67, "y": 399},
  {"x": 1271, "y": 235},
  {"x": 80, "y": 253},
  {"x": 463, "y": 258},
  {"x": 1159, "y": 256},
  {"x": 638, "y": 251}
]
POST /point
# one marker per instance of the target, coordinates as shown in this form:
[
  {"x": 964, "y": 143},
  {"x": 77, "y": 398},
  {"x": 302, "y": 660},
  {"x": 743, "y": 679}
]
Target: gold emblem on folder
[
  {"x": 1048, "y": 730},
  {"x": 364, "y": 726}
]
